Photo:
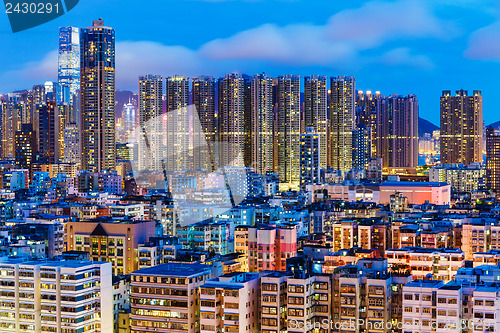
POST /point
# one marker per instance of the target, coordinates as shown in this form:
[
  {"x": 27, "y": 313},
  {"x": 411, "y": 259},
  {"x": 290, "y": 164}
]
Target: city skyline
[{"x": 445, "y": 43}]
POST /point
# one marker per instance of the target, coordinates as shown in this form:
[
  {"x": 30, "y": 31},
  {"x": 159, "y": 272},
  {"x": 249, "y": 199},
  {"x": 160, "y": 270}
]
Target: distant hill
[
  {"x": 496, "y": 124},
  {"x": 425, "y": 126}
]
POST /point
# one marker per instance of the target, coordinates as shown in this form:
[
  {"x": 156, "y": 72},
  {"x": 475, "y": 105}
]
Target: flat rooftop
[{"x": 174, "y": 269}]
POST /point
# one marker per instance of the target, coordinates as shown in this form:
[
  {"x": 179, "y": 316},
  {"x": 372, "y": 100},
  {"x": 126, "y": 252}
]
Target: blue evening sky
[{"x": 403, "y": 46}]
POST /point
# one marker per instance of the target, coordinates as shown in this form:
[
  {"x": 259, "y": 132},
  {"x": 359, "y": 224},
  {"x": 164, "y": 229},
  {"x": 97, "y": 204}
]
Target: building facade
[
  {"x": 461, "y": 127},
  {"x": 97, "y": 92}
]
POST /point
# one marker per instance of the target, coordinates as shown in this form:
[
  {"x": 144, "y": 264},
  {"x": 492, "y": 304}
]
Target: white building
[
  {"x": 438, "y": 264},
  {"x": 461, "y": 178},
  {"x": 230, "y": 303},
  {"x": 56, "y": 296}
]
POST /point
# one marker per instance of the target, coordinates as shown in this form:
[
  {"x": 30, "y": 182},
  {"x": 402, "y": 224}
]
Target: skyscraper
[
  {"x": 492, "y": 159},
  {"x": 97, "y": 69},
  {"x": 25, "y": 146},
  {"x": 72, "y": 153},
  {"x": 342, "y": 102},
  {"x": 129, "y": 119},
  {"x": 11, "y": 122},
  {"x": 397, "y": 131},
  {"x": 150, "y": 112},
  {"x": 68, "y": 75},
  {"x": 262, "y": 137},
  {"x": 361, "y": 147},
  {"x": 231, "y": 117},
  {"x": 366, "y": 114},
  {"x": 310, "y": 148},
  {"x": 178, "y": 145},
  {"x": 288, "y": 129},
  {"x": 316, "y": 109},
  {"x": 204, "y": 140},
  {"x": 49, "y": 130},
  {"x": 461, "y": 127}
]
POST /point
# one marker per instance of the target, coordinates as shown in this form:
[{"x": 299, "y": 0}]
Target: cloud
[
  {"x": 340, "y": 40},
  {"x": 377, "y": 22},
  {"x": 293, "y": 45},
  {"x": 146, "y": 57},
  {"x": 349, "y": 39},
  {"x": 403, "y": 57},
  {"x": 33, "y": 72},
  {"x": 483, "y": 43}
]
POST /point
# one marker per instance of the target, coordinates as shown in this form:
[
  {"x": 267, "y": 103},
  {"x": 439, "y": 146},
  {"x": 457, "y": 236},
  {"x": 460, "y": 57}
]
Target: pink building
[{"x": 269, "y": 246}]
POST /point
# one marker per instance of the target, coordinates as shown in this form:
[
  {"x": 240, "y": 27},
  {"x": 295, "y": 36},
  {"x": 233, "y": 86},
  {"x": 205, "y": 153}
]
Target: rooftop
[{"x": 174, "y": 269}]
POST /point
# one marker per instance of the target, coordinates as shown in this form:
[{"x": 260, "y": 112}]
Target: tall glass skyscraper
[
  {"x": 68, "y": 74},
  {"x": 98, "y": 97}
]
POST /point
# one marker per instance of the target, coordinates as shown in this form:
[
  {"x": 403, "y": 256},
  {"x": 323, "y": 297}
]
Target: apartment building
[
  {"x": 166, "y": 298},
  {"x": 56, "y": 296},
  {"x": 480, "y": 235},
  {"x": 205, "y": 236},
  {"x": 367, "y": 234},
  {"x": 273, "y": 312},
  {"x": 492, "y": 257},
  {"x": 157, "y": 251},
  {"x": 231, "y": 303},
  {"x": 346, "y": 257},
  {"x": 266, "y": 247},
  {"x": 468, "y": 304},
  {"x": 364, "y": 301},
  {"x": 121, "y": 299},
  {"x": 437, "y": 264},
  {"x": 111, "y": 240},
  {"x": 405, "y": 234}
]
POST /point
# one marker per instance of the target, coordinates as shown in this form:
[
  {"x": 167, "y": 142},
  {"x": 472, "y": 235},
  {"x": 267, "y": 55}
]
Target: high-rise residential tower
[
  {"x": 342, "y": 103},
  {"x": 150, "y": 112},
  {"x": 461, "y": 127},
  {"x": 366, "y": 114},
  {"x": 397, "y": 131},
  {"x": 97, "y": 69},
  {"x": 204, "y": 140},
  {"x": 72, "y": 152},
  {"x": 262, "y": 137},
  {"x": 288, "y": 129},
  {"x": 68, "y": 75},
  {"x": 492, "y": 159},
  {"x": 25, "y": 146},
  {"x": 316, "y": 109},
  {"x": 310, "y": 148},
  {"x": 231, "y": 117},
  {"x": 361, "y": 147},
  {"x": 178, "y": 154},
  {"x": 49, "y": 131}
]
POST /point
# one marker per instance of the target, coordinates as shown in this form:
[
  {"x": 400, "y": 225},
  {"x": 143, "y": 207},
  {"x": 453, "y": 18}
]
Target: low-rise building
[
  {"x": 56, "y": 296},
  {"x": 111, "y": 240},
  {"x": 230, "y": 303},
  {"x": 166, "y": 298}
]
